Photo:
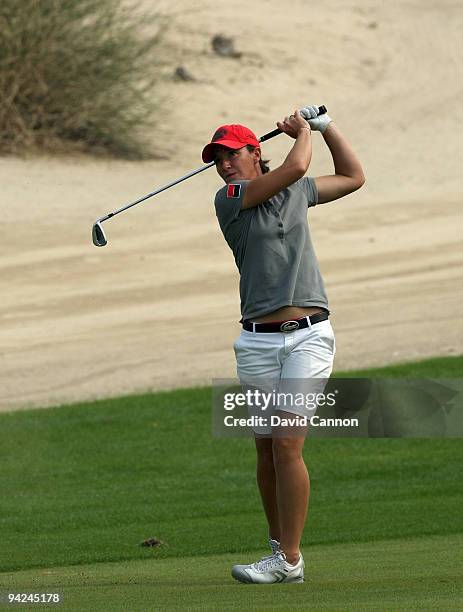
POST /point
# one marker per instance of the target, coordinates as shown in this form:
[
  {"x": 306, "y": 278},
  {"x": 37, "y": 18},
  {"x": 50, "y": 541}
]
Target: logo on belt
[{"x": 289, "y": 326}]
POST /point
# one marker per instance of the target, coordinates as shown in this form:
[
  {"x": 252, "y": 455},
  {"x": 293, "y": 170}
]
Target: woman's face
[{"x": 234, "y": 164}]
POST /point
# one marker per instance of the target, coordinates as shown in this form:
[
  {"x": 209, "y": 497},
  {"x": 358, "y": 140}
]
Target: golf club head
[{"x": 98, "y": 235}]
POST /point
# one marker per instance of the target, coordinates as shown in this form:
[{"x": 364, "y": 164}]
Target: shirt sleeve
[
  {"x": 309, "y": 188},
  {"x": 228, "y": 203}
]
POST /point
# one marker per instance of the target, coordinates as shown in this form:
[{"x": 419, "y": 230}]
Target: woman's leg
[
  {"x": 292, "y": 492},
  {"x": 259, "y": 366},
  {"x": 306, "y": 368},
  {"x": 266, "y": 482}
]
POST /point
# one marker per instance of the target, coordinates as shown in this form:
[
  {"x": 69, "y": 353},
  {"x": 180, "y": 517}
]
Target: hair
[{"x": 262, "y": 162}]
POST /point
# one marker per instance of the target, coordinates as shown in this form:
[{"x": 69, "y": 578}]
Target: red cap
[{"x": 231, "y": 136}]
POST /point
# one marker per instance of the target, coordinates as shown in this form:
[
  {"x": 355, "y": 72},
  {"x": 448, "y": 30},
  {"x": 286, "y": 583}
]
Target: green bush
[{"x": 77, "y": 75}]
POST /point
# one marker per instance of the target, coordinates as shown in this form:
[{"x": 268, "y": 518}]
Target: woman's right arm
[{"x": 292, "y": 169}]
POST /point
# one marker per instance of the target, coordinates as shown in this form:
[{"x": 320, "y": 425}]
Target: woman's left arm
[{"x": 348, "y": 174}]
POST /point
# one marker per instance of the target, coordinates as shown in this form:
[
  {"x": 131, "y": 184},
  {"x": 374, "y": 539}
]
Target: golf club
[{"x": 98, "y": 235}]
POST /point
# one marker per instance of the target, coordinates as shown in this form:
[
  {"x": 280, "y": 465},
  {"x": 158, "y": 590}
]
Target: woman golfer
[{"x": 286, "y": 333}]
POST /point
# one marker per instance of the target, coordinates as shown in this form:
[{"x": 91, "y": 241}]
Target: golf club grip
[{"x": 321, "y": 111}]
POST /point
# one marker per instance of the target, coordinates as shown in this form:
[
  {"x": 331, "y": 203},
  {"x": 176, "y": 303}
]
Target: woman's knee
[{"x": 286, "y": 450}]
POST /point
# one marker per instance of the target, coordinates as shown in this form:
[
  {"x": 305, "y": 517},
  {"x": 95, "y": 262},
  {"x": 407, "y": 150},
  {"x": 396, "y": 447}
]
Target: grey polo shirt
[{"x": 272, "y": 247}]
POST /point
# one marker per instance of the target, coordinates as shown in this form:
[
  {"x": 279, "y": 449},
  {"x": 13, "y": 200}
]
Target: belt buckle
[{"x": 289, "y": 326}]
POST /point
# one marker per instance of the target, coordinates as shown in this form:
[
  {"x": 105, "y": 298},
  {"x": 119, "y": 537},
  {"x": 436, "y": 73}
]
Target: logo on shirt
[{"x": 233, "y": 191}]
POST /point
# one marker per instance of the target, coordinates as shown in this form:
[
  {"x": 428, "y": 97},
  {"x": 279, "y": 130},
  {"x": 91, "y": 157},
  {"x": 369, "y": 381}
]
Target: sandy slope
[{"x": 158, "y": 307}]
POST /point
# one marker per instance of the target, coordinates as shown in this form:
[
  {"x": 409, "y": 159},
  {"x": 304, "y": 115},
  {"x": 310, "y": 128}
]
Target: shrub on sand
[{"x": 77, "y": 75}]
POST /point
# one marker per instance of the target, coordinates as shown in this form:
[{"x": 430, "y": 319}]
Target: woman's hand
[
  {"x": 317, "y": 122},
  {"x": 293, "y": 124}
]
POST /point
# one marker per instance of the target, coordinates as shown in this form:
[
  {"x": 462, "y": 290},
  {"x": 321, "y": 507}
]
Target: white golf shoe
[{"x": 270, "y": 570}]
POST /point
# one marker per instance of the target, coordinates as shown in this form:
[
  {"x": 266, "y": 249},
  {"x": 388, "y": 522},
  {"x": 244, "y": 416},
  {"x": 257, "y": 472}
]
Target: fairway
[
  {"x": 83, "y": 485},
  {"x": 411, "y": 574},
  {"x": 228, "y": 381}
]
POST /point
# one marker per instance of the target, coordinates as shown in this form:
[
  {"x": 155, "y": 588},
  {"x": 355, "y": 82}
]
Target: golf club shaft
[
  {"x": 153, "y": 193},
  {"x": 321, "y": 110}
]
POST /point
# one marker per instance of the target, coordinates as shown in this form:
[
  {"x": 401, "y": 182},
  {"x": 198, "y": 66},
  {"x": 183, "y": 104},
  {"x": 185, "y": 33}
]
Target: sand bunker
[{"x": 158, "y": 307}]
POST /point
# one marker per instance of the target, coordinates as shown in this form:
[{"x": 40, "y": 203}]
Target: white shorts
[{"x": 298, "y": 361}]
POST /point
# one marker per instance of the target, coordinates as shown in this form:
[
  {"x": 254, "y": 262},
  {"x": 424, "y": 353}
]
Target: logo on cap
[{"x": 220, "y": 133}]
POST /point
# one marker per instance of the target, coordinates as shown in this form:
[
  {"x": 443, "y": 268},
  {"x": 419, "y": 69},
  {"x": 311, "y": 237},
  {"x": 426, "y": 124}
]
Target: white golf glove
[{"x": 318, "y": 124}]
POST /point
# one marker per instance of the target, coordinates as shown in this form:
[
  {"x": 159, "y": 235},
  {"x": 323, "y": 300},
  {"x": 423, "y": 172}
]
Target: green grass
[
  {"x": 83, "y": 485},
  {"x": 412, "y": 574},
  {"x": 437, "y": 367}
]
